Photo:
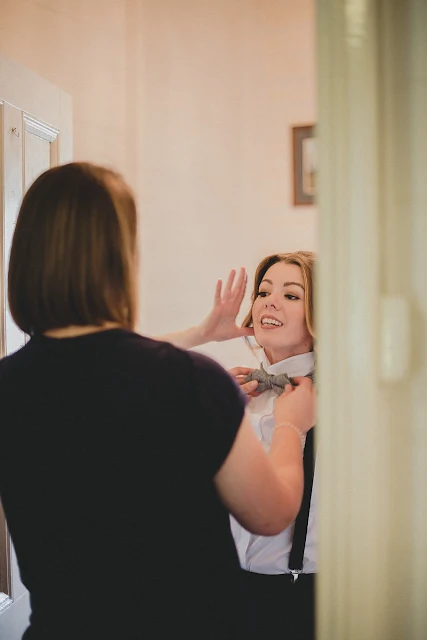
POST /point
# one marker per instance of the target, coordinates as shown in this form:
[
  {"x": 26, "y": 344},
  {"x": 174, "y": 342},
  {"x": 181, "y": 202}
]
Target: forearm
[
  {"x": 185, "y": 339},
  {"x": 286, "y": 458}
]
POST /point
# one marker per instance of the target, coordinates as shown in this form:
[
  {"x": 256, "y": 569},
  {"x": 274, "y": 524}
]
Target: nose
[{"x": 273, "y": 301}]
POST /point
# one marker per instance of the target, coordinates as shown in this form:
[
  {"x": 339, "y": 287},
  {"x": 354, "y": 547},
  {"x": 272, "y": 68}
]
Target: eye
[
  {"x": 291, "y": 296},
  {"x": 262, "y": 294}
]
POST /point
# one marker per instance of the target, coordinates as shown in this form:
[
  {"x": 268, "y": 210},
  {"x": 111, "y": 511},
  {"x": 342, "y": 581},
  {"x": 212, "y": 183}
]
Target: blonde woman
[
  {"x": 121, "y": 457},
  {"x": 278, "y": 571}
]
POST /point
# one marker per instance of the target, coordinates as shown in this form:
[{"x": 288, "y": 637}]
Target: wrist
[
  {"x": 200, "y": 335},
  {"x": 290, "y": 425}
]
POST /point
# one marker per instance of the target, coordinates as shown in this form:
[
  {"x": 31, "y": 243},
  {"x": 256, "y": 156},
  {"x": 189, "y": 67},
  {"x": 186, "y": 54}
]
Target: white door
[
  {"x": 35, "y": 134},
  {"x": 372, "y": 320}
]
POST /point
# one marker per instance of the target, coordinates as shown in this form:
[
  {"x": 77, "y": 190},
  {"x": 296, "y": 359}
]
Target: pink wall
[{"x": 193, "y": 101}]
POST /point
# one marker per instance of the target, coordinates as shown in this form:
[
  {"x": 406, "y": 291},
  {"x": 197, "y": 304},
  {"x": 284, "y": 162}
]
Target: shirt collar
[{"x": 295, "y": 366}]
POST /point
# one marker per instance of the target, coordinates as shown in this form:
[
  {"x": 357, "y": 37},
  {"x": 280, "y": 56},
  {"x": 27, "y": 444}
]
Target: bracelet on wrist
[{"x": 290, "y": 425}]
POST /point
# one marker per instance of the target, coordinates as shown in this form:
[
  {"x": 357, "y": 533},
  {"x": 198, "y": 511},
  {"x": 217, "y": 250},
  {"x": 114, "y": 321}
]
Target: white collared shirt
[{"x": 270, "y": 555}]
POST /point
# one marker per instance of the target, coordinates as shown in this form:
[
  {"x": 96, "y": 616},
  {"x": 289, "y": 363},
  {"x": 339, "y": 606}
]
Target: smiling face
[{"x": 278, "y": 313}]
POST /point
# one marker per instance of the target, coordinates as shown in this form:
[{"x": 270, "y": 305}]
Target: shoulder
[
  {"x": 159, "y": 355},
  {"x": 189, "y": 371},
  {"x": 216, "y": 391},
  {"x": 203, "y": 370},
  {"x": 7, "y": 362},
  {"x": 206, "y": 366},
  {"x": 203, "y": 396},
  {"x": 212, "y": 390},
  {"x": 211, "y": 373}
]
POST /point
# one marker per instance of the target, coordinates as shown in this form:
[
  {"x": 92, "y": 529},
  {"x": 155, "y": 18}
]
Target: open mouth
[{"x": 267, "y": 321}]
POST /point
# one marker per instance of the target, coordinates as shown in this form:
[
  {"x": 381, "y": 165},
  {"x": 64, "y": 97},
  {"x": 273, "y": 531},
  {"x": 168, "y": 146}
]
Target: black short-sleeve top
[{"x": 109, "y": 446}]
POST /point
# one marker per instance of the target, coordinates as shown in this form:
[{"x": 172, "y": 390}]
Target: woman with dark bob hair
[{"x": 123, "y": 456}]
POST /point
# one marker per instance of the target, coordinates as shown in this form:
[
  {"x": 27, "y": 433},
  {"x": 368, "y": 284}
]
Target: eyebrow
[{"x": 285, "y": 284}]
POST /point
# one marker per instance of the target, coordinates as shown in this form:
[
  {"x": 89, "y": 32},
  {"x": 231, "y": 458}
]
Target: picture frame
[{"x": 304, "y": 164}]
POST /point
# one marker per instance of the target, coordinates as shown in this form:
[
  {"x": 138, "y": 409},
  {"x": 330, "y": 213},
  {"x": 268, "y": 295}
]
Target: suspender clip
[{"x": 295, "y": 573}]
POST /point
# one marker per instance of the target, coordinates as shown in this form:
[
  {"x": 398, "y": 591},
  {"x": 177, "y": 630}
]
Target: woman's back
[{"x": 110, "y": 443}]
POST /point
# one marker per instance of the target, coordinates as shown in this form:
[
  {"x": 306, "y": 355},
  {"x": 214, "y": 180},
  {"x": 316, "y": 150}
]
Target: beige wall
[
  {"x": 224, "y": 81},
  {"x": 80, "y": 46},
  {"x": 193, "y": 101}
]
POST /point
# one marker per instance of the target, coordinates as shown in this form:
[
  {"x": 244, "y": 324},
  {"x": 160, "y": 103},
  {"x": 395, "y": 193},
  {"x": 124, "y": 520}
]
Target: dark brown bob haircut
[
  {"x": 303, "y": 259},
  {"x": 73, "y": 259}
]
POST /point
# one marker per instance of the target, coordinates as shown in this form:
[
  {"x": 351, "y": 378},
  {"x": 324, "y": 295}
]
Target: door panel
[
  {"x": 36, "y": 156},
  {"x": 30, "y": 143},
  {"x": 13, "y": 187},
  {"x": 30, "y": 149}
]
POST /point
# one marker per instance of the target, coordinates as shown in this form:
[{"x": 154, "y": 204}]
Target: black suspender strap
[{"x": 301, "y": 523}]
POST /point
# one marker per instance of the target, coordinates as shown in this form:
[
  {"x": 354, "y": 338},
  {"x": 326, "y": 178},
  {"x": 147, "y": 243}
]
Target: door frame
[{"x": 44, "y": 109}]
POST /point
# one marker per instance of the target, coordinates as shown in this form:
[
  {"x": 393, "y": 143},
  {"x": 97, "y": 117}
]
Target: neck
[
  {"x": 74, "y": 331},
  {"x": 275, "y": 356}
]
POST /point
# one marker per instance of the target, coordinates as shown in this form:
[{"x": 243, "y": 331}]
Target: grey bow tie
[{"x": 267, "y": 381}]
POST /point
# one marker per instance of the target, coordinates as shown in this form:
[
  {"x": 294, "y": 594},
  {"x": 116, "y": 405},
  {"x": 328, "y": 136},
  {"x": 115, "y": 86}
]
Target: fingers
[
  {"x": 230, "y": 281},
  {"x": 239, "y": 374},
  {"x": 240, "y": 286},
  {"x": 287, "y": 391},
  {"x": 236, "y": 289},
  {"x": 218, "y": 288},
  {"x": 302, "y": 381},
  {"x": 239, "y": 371},
  {"x": 249, "y": 388},
  {"x": 246, "y": 331}
]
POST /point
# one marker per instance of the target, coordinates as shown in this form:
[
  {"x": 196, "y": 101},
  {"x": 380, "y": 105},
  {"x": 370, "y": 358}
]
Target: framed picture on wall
[{"x": 304, "y": 164}]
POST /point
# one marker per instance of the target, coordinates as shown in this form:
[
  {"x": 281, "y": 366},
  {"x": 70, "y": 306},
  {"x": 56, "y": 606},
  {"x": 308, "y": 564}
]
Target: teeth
[{"x": 276, "y": 323}]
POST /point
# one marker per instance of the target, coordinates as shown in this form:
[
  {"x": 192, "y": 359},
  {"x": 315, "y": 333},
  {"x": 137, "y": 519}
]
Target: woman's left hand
[{"x": 220, "y": 324}]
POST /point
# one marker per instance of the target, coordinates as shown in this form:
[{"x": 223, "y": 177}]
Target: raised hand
[{"x": 220, "y": 324}]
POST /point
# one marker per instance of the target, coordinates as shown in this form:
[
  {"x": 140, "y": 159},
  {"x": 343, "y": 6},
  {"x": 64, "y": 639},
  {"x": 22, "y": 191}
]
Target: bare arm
[
  {"x": 220, "y": 324},
  {"x": 263, "y": 492}
]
